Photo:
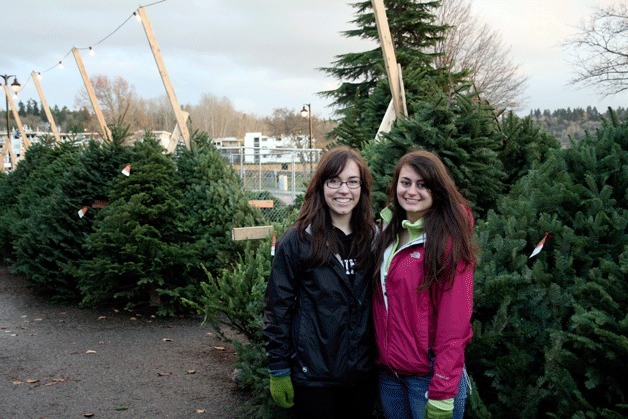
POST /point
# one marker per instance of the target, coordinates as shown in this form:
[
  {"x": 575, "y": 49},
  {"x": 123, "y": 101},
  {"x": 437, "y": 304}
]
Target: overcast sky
[{"x": 262, "y": 55}]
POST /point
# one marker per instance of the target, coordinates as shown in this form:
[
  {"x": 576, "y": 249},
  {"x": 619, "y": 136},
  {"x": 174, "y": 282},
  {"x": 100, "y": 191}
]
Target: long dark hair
[
  {"x": 315, "y": 211},
  {"x": 448, "y": 223}
]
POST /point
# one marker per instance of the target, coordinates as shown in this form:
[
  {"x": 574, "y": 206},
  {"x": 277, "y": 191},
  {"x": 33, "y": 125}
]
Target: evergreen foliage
[
  {"x": 464, "y": 134},
  {"x": 214, "y": 203},
  {"x": 34, "y": 234},
  {"x": 279, "y": 212},
  {"x": 364, "y": 94},
  {"x": 139, "y": 251},
  {"x": 524, "y": 146},
  {"x": 550, "y": 332},
  {"x": 143, "y": 238},
  {"x": 572, "y": 123},
  {"x": 234, "y": 298},
  {"x": 83, "y": 183},
  {"x": 21, "y": 179}
]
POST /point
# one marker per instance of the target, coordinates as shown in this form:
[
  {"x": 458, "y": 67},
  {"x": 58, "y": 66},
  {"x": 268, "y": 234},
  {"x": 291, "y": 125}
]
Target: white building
[{"x": 260, "y": 148}]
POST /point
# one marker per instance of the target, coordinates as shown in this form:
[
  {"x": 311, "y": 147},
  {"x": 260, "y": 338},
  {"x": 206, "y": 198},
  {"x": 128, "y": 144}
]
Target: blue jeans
[{"x": 406, "y": 397}]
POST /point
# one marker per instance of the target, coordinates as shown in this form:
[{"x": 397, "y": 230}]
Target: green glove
[
  {"x": 434, "y": 412},
  {"x": 282, "y": 391}
]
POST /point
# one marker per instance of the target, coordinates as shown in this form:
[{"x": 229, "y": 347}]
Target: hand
[
  {"x": 433, "y": 412},
  {"x": 282, "y": 391}
]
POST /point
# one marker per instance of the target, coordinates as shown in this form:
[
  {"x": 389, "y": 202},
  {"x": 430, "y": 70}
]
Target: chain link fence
[{"x": 277, "y": 174}]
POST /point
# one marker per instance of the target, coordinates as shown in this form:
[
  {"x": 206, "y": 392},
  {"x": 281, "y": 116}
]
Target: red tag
[
  {"x": 82, "y": 211},
  {"x": 539, "y": 246}
]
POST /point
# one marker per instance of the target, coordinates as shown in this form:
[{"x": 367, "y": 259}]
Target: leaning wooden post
[
  {"x": 8, "y": 145},
  {"x": 388, "y": 50},
  {"x": 176, "y": 132},
  {"x": 104, "y": 129},
  {"x": 44, "y": 104},
  {"x": 8, "y": 148},
  {"x": 24, "y": 142},
  {"x": 154, "y": 46}
]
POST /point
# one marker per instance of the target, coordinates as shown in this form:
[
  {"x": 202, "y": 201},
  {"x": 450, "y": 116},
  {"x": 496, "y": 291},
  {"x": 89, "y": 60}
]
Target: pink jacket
[{"x": 408, "y": 324}]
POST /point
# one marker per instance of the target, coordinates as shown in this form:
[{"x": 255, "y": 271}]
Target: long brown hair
[
  {"x": 315, "y": 211},
  {"x": 448, "y": 223}
]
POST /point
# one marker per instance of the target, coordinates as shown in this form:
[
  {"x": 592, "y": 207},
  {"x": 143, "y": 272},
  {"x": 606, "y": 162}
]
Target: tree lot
[
  {"x": 143, "y": 237},
  {"x": 549, "y": 331}
]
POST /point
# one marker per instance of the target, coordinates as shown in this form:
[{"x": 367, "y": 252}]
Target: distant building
[
  {"x": 226, "y": 142},
  {"x": 260, "y": 148},
  {"x": 35, "y": 137}
]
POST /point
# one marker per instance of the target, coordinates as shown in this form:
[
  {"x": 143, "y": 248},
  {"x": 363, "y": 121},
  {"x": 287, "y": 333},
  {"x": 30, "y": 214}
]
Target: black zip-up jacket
[{"x": 315, "y": 321}]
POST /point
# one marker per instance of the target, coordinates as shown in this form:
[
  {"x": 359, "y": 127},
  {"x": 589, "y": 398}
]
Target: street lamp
[{"x": 307, "y": 113}]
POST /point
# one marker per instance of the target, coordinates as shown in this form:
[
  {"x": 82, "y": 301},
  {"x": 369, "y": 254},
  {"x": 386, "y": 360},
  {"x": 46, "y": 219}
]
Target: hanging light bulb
[
  {"x": 39, "y": 76},
  {"x": 61, "y": 65},
  {"x": 91, "y": 52},
  {"x": 137, "y": 16}
]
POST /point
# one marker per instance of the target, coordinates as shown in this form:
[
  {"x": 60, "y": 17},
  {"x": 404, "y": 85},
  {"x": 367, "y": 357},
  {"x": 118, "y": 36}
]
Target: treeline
[
  {"x": 566, "y": 123},
  {"x": 217, "y": 117},
  {"x": 33, "y": 115}
]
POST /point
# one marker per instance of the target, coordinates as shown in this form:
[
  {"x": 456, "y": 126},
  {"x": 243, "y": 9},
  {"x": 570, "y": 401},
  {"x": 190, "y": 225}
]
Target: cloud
[{"x": 261, "y": 55}]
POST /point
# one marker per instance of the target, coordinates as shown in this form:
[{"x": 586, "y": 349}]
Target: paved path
[{"x": 62, "y": 362}]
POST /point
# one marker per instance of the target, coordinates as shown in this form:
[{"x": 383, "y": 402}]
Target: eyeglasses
[{"x": 336, "y": 183}]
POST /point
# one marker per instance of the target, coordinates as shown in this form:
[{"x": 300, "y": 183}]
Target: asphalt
[{"x": 65, "y": 362}]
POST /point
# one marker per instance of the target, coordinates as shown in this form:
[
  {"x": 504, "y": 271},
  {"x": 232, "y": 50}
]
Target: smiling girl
[
  {"x": 423, "y": 297},
  {"x": 317, "y": 315}
]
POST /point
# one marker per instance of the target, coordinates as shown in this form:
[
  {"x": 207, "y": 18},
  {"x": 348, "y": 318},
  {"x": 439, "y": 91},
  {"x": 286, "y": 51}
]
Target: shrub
[
  {"x": 138, "y": 252},
  {"x": 550, "y": 331},
  {"x": 234, "y": 298}
]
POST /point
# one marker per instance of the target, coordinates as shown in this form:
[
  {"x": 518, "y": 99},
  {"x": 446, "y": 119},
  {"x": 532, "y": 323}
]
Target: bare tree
[
  {"x": 472, "y": 45},
  {"x": 601, "y": 50},
  {"x": 248, "y": 123},
  {"x": 159, "y": 113},
  {"x": 220, "y": 119},
  {"x": 214, "y": 115},
  {"x": 285, "y": 121},
  {"x": 117, "y": 100}
]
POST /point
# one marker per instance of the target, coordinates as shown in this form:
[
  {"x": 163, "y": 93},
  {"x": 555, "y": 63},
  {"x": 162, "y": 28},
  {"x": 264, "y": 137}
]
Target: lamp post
[{"x": 307, "y": 113}]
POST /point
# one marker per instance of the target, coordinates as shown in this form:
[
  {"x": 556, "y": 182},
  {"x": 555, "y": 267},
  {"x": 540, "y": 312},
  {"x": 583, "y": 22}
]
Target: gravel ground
[{"x": 64, "y": 362}]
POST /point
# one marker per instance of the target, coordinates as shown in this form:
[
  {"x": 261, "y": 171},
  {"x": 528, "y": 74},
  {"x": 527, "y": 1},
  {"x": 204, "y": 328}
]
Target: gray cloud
[{"x": 262, "y": 55}]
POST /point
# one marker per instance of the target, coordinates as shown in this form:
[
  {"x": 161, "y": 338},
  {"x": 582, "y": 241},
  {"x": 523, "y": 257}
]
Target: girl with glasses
[
  {"x": 317, "y": 315},
  {"x": 423, "y": 292}
]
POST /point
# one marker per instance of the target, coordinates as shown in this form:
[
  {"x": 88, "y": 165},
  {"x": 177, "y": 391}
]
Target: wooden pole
[
  {"x": 8, "y": 148},
  {"x": 8, "y": 145},
  {"x": 388, "y": 50},
  {"x": 176, "y": 133},
  {"x": 402, "y": 93},
  {"x": 104, "y": 130},
  {"x": 24, "y": 142},
  {"x": 154, "y": 46},
  {"x": 44, "y": 104}
]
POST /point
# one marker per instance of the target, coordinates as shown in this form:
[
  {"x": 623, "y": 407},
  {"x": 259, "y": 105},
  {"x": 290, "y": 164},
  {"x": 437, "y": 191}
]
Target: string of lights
[{"x": 90, "y": 48}]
